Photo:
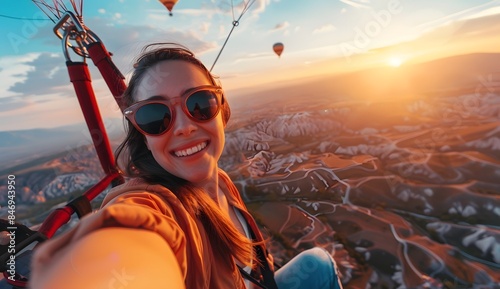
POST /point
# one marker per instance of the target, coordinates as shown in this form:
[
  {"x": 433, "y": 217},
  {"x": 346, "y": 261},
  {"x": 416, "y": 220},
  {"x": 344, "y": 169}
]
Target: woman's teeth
[{"x": 192, "y": 150}]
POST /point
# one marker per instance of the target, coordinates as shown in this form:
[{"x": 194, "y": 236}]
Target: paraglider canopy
[
  {"x": 169, "y": 4},
  {"x": 278, "y": 48}
]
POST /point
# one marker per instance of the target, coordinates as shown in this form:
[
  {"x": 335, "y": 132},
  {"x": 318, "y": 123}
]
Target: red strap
[
  {"x": 61, "y": 216},
  {"x": 111, "y": 74},
  {"x": 80, "y": 77},
  {"x": 55, "y": 220}
]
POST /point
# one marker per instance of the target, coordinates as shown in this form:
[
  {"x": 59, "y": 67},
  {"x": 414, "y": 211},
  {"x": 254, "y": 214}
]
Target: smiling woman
[{"x": 182, "y": 211}]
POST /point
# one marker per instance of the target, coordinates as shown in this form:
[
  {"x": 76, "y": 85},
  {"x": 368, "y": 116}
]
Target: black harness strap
[
  {"x": 251, "y": 278},
  {"x": 81, "y": 205},
  {"x": 268, "y": 281}
]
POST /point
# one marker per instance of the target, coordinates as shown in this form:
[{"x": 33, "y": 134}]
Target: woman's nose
[{"x": 183, "y": 124}]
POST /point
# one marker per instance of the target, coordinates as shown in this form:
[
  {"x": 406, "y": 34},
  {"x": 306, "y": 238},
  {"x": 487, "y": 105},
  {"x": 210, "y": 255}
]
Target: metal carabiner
[
  {"x": 64, "y": 24},
  {"x": 69, "y": 28},
  {"x": 80, "y": 50}
]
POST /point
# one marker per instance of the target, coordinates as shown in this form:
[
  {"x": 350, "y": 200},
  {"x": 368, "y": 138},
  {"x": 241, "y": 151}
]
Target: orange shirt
[{"x": 155, "y": 208}]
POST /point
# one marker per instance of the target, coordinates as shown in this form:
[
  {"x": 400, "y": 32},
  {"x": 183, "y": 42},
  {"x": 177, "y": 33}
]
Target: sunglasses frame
[{"x": 130, "y": 111}]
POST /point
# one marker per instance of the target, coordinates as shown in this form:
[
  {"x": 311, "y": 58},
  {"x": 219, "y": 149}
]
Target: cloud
[
  {"x": 47, "y": 75},
  {"x": 237, "y": 7},
  {"x": 12, "y": 103},
  {"x": 357, "y": 3},
  {"x": 13, "y": 70},
  {"x": 204, "y": 27},
  {"x": 281, "y": 26},
  {"x": 488, "y": 11},
  {"x": 259, "y": 6},
  {"x": 324, "y": 29},
  {"x": 459, "y": 37},
  {"x": 163, "y": 13},
  {"x": 126, "y": 41},
  {"x": 252, "y": 58}
]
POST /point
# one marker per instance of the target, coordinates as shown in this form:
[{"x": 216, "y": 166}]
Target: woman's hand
[{"x": 110, "y": 258}]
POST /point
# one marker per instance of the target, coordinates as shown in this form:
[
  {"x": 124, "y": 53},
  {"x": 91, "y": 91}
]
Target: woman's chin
[{"x": 198, "y": 177}]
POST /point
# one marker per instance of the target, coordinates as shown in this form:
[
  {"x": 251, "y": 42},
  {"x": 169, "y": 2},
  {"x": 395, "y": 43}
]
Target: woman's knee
[
  {"x": 312, "y": 268},
  {"x": 311, "y": 262},
  {"x": 317, "y": 259}
]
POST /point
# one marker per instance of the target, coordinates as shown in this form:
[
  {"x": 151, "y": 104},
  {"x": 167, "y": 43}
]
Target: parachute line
[
  {"x": 224, "y": 45},
  {"x": 22, "y": 18},
  {"x": 235, "y": 23},
  {"x": 47, "y": 10},
  {"x": 58, "y": 8}
]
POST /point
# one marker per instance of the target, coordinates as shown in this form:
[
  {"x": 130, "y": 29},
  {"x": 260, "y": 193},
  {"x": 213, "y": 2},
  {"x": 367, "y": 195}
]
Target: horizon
[
  {"x": 393, "y": 34},
  {"x": 236, "y": 100}
]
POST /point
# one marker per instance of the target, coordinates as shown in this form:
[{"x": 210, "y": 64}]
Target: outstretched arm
[{"x": 112, "y": 258}]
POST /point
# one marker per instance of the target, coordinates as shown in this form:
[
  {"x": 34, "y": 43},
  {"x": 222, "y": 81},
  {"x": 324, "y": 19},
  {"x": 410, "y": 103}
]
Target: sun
[{"x": 395, "y": 61}]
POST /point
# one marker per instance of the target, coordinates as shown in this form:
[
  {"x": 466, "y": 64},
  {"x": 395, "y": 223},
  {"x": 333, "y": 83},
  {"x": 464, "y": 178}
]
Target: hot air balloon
[
  {"x": 278, "y": 48},
  {"x": 169, "y": 4}
]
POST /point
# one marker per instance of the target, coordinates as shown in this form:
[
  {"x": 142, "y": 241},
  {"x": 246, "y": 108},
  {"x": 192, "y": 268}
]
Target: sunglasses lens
[
  {"x": 153, "y": 118},
  {"x": 202, "y": 105}
]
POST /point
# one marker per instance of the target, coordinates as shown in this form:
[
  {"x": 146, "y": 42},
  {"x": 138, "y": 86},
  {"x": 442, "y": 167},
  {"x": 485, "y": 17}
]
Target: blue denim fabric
[{"x": 311, "y": 269}]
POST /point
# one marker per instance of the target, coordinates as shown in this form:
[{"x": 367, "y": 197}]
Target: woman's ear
[
  {"x": 146, "y": 142},
  {"x": 225, "y": 110}
]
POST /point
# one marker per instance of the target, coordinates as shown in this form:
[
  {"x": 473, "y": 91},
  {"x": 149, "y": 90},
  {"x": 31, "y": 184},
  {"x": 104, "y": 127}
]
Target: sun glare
[{"x": 395, "y": 61}]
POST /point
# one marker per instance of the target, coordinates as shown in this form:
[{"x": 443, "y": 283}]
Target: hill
[{"x": 20, "y": 146}]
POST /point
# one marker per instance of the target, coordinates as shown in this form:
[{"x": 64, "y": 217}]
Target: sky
[{"x": 320, "y": 37}]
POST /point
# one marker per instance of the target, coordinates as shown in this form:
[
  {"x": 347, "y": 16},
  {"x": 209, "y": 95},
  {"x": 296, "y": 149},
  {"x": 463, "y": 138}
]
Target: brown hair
[{"x": 225, "y": 239}]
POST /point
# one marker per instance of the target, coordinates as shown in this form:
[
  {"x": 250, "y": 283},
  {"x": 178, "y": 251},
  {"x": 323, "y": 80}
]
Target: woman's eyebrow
[
  {"x": 165, "y": 97},
  {"x": 156, "y": 97},
  {"x": 184, "y": 92}
]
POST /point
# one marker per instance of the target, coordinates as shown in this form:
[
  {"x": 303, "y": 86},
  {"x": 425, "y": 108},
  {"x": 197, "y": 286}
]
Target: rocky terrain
[{"x": 404, "y": 193}]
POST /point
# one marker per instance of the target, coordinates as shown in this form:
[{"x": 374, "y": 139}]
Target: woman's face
[{"x": 178, "y": 150}]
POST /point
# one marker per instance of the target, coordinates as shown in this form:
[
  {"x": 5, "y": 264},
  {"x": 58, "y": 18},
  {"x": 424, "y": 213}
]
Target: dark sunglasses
[{"x": 155, "y": 116}]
